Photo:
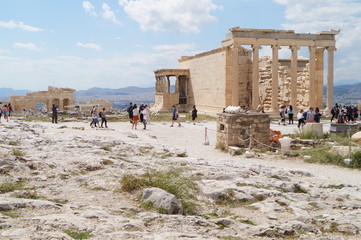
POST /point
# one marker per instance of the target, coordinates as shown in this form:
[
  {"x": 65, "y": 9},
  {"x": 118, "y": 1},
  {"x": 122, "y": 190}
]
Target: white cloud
[
  {"x": 28, "y": 46},
  {"x": 89, "y": 8},
  {"x": 89, "y": 45},
  {"x": 165, "y": 15},
  {"x": 174, "y": 48},
  {"x": 108, "y": 14},
  {"x": 2, "y": 51},
  {"x": 12, "y": 25},
  {"x": 315, "y": 16}
]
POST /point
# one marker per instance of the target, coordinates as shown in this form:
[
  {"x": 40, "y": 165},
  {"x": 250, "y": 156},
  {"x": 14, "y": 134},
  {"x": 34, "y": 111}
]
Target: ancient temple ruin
[
  {"x": 234, "y": 75},
  {"x": 62, "y": 97}
]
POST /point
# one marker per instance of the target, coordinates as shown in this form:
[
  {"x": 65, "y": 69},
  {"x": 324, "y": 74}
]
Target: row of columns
[{"x": 316, "y": 77}]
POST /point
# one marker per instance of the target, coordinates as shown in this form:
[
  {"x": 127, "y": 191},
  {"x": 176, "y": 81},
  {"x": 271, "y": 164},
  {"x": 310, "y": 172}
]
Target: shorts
[
  {"x": 174, "y": 118},
  {"x": 135, "y": 118}
]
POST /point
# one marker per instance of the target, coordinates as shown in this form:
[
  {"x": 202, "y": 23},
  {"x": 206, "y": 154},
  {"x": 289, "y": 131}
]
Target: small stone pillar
[{"x": 234, "y": 129}]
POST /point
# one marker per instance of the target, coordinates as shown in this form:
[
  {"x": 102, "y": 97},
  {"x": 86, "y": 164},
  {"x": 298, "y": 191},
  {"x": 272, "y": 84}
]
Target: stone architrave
[
  {"x": 255, "y": 77},
  {"x": 329, "y": 100},
  {"x": 293, "y": 99},
  {"x": 312, "y": 91},
  {"x": 274, "y": 104}
]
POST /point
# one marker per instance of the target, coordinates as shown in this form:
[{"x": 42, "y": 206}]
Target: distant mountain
[
  {"x": 108, "y": 91},
  {"x": 5, "y": 93},
  {"x": 347, "y": 94},
  {"x": 347, "y": 82}
]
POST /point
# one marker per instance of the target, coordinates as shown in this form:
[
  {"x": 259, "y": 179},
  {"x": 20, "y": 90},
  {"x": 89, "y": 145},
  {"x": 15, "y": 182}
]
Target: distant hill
[
  {"x": 109, "y": 91},
  {"x": 5, "y": 93},
  {"x": 347, "y": 94}
]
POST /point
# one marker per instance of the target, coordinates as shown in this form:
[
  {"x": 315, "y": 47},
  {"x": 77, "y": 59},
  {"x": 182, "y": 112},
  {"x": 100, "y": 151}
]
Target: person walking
[
  {"x": 54, "y": 117},
  {"x": 290, "y": 114},
  {"x": 194, "y": 114},
  {"x": 300, "y": 118},
  {"x": 135, "y": 116},
  {"x": 310, "y": 117},
  {"x": 282, "y": 115},
  {"x": 10, "y": 109},
  {"x": 1, "y": 110},
  {"x": 145, "y": 116},
  {"x": 103, "y": 116},
  {"x": 175, "y": 116},
  {"x": 95, "y": 114},
  {"x": 148, "y": 113},
  {"x": 317, "y": 115}
]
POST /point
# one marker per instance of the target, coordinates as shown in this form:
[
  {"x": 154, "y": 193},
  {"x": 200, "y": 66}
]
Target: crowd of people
[
  {"x": 5, "y": 111},
  {"x": 341, "y": 114}
]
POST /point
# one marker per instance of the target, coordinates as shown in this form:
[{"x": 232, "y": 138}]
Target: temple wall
[
  {"x": 284, "y": 83},
  {"x": 208, "y": 81}
]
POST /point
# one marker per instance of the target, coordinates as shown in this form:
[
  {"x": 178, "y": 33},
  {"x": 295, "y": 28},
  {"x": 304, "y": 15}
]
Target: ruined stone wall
[
  {"x": 234, "y": 129},
  {"x": 284, "y": 83},
  {"x": 207, "y": 85}
]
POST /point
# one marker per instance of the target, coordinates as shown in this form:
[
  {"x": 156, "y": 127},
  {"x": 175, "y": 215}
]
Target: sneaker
[
  {"x": 171, "y": 125},
  {"x": 179, "y": 125}
]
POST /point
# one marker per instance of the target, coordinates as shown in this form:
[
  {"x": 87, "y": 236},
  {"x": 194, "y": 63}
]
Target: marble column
[
  {"x": 312, "y": 90},
  {"x": 274, "y": 100},
  {"x": 168, "y": 84},
  {"x": 293, "y": 95},
  {"x": 235, "y": 76},
  {"x": 319, "y": 76},
  {"x": 255, "y": 77},
  {"x": 329, "y": 100}
]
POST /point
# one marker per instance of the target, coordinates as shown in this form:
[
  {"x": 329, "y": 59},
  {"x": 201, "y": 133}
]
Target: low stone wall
[{"x": 234, "y": 129}]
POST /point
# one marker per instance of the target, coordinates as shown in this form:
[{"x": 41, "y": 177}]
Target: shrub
[
  {"x": 10, "y": 187},
  {"x": 171, "y": 180},
  {"x": 356, "y": 160},
  {"x": 106, "y": 148},
  {"x": 77, "y": 234},
  {"x": 17, "y": 152}
]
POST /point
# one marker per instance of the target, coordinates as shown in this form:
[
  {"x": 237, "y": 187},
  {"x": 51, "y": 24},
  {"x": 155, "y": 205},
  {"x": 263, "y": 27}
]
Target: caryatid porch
[
  {"x": 317, "y": 43},
  {"x": 163, "y": 93}
]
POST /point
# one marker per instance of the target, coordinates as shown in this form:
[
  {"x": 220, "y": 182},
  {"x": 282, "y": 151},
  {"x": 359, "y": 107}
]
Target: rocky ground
[{"x": 65, "y": 180}]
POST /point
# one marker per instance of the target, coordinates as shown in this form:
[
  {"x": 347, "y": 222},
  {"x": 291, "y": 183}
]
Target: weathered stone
[{"x": 162, "y": 199}]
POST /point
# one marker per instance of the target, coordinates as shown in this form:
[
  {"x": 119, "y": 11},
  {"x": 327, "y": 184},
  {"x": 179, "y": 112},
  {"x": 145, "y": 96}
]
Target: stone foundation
[{"x": 234, "y": 129}]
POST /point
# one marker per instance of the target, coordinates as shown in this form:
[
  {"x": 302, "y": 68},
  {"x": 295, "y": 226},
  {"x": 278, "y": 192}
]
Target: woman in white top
[{"x": 135, "y": 116}]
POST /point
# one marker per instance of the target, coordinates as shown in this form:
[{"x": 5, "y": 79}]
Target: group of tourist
[
  {"x": 5, "y": 111},
  {"x": 136, "y": 114},
  {"x": 313, "y": 115},
  {"x": 95, "y": 114},
  {"x": 344, "y": 114}
]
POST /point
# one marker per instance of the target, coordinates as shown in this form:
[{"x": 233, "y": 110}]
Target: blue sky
[{"x": 114, "y": 44}]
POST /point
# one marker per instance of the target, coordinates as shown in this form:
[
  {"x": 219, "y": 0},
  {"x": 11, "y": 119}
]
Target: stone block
[{"x": 313, "y": 128}]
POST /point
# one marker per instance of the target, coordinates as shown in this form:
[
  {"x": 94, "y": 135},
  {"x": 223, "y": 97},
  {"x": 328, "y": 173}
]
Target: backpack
[{"x": 100, "y": 114}]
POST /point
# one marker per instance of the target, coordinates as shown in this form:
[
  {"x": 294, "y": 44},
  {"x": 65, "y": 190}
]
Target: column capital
[
  {"x": 312, "y": 48},
  {"x": 274, "y": 47},
  {"x": 254, "y": 47},
  {"x": 331, "y": 48},
  {"x": 294, "y": 47}
]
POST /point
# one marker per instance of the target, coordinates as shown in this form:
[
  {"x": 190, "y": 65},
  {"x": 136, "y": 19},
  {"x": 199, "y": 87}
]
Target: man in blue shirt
[{"x": 175, "y": 116}]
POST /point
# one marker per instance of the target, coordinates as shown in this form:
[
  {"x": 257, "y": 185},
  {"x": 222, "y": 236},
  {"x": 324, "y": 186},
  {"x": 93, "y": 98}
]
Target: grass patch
[
  {"x": 27, "y": 195},
  {"x": 106, "y": 148},
  {"x": 11, "y": 186},
  {"x": 221, "y": 146},
  {"x": 172, "y": 180},
  {"x": 14, "y": 143},
  {"x": 59, "y": 200},
  {"x": 17, "y": 152},
  {"x": 77, "y": 234},
  {"x": 107, "y": 162},
  {"x": 10, "y": 214}
]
